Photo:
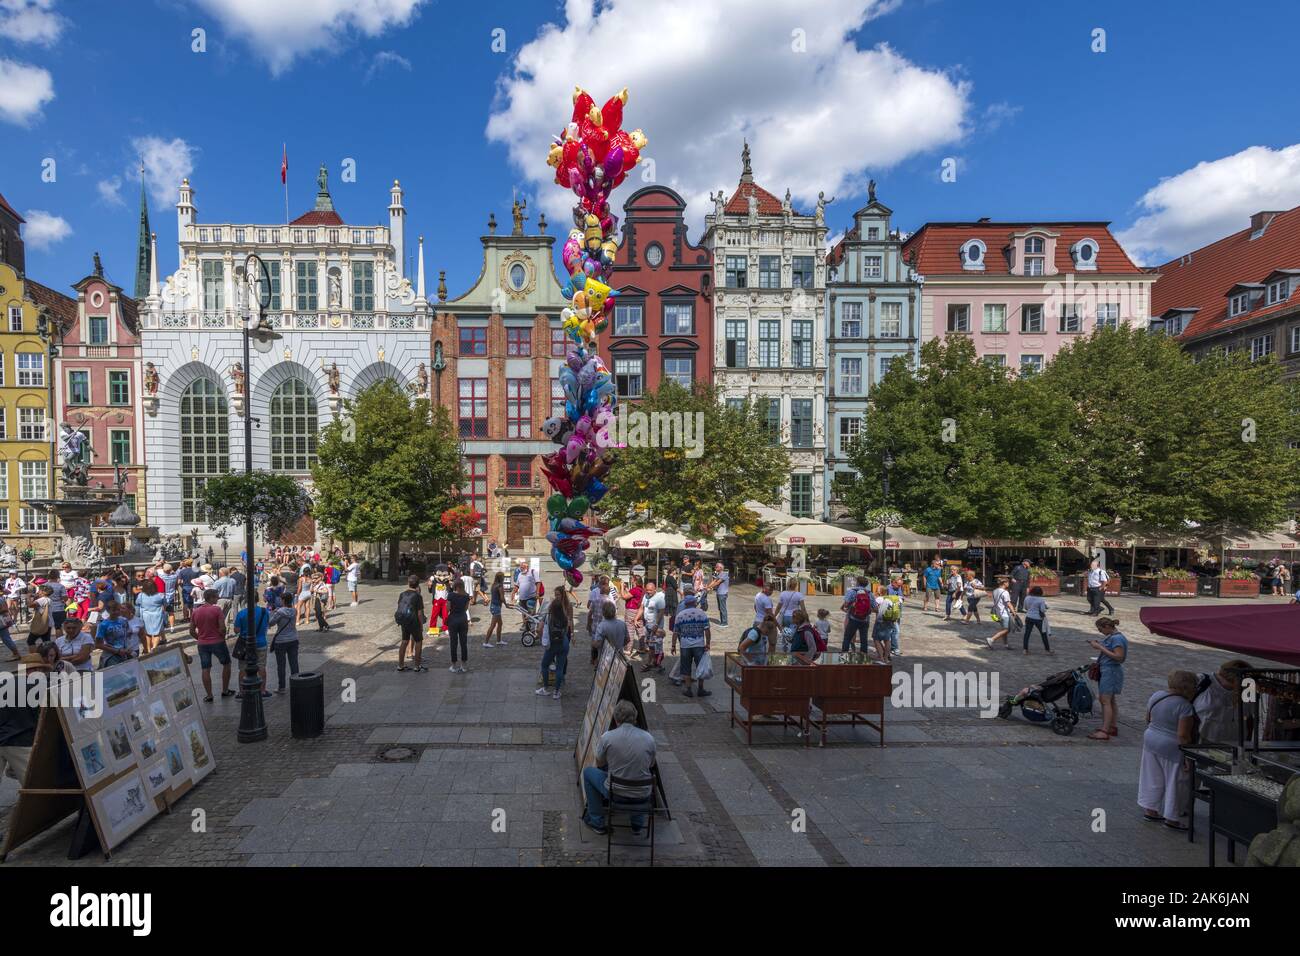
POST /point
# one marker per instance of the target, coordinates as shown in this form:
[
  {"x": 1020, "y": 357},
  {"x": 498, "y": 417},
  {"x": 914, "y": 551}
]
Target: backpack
[
  {"x": 819, "y": 639},
  {"x": 541, "y": 591},
  {"x": 891, "y": 608},
  {"x": 862, "y": 605},
  {"x": 404, "y": 614}
]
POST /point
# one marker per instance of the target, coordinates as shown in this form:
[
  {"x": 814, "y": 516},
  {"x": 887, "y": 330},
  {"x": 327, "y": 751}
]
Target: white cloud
[
  {"x": 816, "y": 120},
  {"x": 1211, "y": 200},
  {"x": 24, "y": 90},
  {"x": 44, "y": 229},
  {"x": 110, "y": 190},
  {"x": 166, "y": 163},
  {"x": 386, "y": 58},
  {"x": 283, "y": 30},
  {"x": 996, "y": 114},
  {"x": 30, "y": 21}
]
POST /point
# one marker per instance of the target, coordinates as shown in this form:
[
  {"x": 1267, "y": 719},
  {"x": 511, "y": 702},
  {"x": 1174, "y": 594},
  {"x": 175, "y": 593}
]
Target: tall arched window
[
  {"x": 205, "y": 444},
  {"x": 293, "y": 427}
]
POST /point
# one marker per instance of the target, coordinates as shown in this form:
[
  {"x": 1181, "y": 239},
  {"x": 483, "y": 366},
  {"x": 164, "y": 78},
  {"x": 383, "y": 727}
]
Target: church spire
[{"x": 144, "y": 254}]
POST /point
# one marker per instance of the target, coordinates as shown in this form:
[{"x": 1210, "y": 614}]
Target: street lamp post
[
  {"x": 888, "y": 462},
  {"x": 252, "y": 719}
]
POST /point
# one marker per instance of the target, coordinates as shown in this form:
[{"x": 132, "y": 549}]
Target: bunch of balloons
[{"x": 591, "y": 156}]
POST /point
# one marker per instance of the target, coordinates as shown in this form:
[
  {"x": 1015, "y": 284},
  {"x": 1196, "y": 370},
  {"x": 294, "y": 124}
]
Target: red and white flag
[{"x": 284, "y": 166}]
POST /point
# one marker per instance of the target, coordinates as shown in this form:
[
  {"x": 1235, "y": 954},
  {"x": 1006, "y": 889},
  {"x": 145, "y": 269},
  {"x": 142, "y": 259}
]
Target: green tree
[
  {"x": 974, "y": 448},
  {"x": 387, "y": 470},
  {"x": 701, "y": 493},
  {"x": 1157, "y": 438}
]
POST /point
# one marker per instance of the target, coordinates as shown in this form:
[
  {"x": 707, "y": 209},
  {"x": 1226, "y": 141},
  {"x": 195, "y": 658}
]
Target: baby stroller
[{"x": 1039, "y": 702}]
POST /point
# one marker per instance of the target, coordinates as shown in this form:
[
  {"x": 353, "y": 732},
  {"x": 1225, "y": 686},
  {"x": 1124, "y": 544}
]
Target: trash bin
[{"x": 307, "y": 704}]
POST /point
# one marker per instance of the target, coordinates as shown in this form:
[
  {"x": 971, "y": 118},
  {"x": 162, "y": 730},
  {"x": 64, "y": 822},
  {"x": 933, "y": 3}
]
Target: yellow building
[{"x": 27, "y": 430}]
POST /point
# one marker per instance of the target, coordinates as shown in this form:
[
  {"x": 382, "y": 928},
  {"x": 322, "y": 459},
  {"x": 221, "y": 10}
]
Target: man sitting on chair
[{"x": 627, "y": 752}]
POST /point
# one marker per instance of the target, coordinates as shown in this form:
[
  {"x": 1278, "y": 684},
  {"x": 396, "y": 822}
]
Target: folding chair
[{"x": 623, "y": 799}]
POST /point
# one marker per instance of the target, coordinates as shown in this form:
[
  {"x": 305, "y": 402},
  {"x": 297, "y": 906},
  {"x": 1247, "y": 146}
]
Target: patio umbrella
[{"x": 1271, "y": 632}]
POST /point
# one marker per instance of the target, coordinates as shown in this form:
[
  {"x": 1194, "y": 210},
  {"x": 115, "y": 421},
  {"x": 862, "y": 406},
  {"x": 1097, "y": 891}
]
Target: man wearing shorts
[
  {"x": 208, "y": 628},
  {"x": 933, "y": 577},
  {"x": 691, "y": 628}
]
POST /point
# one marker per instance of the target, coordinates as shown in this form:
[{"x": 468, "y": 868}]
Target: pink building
[
  {"x": 1022, "y": 290},
  {"x": 98, "y": 385}
]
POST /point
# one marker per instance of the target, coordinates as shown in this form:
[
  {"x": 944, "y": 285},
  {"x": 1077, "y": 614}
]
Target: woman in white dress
[{"x": 1163, "y": 791}]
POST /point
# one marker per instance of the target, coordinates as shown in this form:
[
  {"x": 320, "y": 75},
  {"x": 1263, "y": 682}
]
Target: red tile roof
[
  {"x": 318, "y": 217},
  {"x": 1201, "y": 280},
  {"x": 738, "y": 204},
  {"x": 62, "y": 308},
  {"x": 4, "y": 204},
  {"x": 938, "y": 246}
]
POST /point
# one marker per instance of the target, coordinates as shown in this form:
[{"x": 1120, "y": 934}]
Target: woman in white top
[
  {"x": 1005, "y": 611},
  {"x": 972, "y": 591},
  {"x": 303, "y": 600},
  {"x": 1163, "y": 793},
  {"x": 354, "y": 576}
]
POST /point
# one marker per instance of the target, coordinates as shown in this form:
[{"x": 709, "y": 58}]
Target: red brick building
[{"x": 663, "y": 322}]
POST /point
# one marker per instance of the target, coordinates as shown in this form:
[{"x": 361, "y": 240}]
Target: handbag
[
  {"x": 240, "y": 651},
  {"x": 1094, "y": 671}
]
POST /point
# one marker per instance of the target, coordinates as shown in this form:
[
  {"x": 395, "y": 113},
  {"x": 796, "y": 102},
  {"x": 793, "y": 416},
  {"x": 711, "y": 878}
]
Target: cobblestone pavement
[{"x": 488, "y": 776}]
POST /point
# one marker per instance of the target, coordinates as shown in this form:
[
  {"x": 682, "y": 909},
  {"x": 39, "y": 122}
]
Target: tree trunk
[{"x": 393, "y": 546}]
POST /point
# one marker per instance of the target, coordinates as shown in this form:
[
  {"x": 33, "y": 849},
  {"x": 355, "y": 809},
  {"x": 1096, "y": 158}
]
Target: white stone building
[
  {"x": 339, "y": 298},
  {"x": 769, "y": 327}
]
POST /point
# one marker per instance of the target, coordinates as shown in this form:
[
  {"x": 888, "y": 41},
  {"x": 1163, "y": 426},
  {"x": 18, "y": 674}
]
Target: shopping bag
[
  {"x": 704, "y": 668},
  {"x": 676, "y": 672}
]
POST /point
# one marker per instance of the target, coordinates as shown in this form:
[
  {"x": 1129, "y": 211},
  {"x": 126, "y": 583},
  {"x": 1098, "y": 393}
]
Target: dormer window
[
  {"x": 1084, "y": 254},
  {"x": 972, "y": 255},
  {"x": 1278, "y": 291},
  {"x": 873, "y": 232},
  {"x": 1239, "y": 304},
  {"x": 1035, "y": 260}
]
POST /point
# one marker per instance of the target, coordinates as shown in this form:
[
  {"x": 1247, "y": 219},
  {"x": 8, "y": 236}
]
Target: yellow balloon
[{"x": 595, "y": 293}]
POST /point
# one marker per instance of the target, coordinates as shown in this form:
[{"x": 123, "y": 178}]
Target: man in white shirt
[
  {"x": 762, "y": 603},
  {"x": 1097, "y": 578},
  {"x": 651, "y": 613},
  {"x": 526, "y": 587}
]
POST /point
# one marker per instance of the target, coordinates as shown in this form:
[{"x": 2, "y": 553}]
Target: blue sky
[{"x": 1176, "y": 132}]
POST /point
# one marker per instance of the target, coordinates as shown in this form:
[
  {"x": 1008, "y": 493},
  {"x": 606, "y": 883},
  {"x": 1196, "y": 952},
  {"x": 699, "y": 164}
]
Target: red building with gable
[{"x": 663, "y": 322}]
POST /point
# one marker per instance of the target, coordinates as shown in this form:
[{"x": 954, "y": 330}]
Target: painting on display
[{"x": 123, "y": 807}]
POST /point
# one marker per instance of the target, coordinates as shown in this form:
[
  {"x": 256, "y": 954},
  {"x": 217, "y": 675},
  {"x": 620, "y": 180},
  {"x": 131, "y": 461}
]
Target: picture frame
[
  {"x": 194, "y": 743},
  {"x": 123, "y": 807},
  {"x": 175, "y": 761},
  {"x": 162, "y": 668},
  {"x": 148, "y": 748},
  {"x": 159, "y": 716},
  {"x": 122, "y": 683},
  {"x": 117, "y": 737},
  {"x": 157, "y": 781},
  {"x": 180, "y": 699},
  {"x": 93, "y": 759},
  {"x": 138, "y": 723}
]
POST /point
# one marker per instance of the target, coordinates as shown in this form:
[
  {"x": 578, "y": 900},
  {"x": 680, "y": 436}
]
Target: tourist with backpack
[
  {"x": 807, "y": 640},
  {"x": 857, "y": 609},
  {"x": 410, "y": 618},
  {"x": 1215, "y": 703}
]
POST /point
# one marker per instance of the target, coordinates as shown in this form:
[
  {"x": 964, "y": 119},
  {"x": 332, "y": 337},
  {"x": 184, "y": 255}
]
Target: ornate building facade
[
  {"x": 663, "y": 322},
  {"x": 497, "y": 354},
  {"x": 873, "y": 320},
  {"x": 769, "y": 328},
  {"x": 348, "y": 316},
  {"x": 97, "y": 388}
]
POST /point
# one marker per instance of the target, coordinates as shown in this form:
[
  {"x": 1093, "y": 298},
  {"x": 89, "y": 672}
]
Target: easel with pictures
[
  {"x": 146, "y": 749},
  {"x": 612, "y": 682}
]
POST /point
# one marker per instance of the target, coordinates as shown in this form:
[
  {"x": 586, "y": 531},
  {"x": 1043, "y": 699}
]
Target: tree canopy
[
  {"x": 387, "y": 469},
  {"x": 700, "y": 493}
]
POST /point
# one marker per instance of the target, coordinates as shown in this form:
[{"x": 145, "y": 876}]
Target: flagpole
[{"x": 284, "y": 179}]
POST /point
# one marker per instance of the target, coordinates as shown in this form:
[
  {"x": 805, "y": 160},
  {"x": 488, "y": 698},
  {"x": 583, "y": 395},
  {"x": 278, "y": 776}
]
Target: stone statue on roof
[
  {"x": 871, "y": 191},
  {"x": 322, "y": 179},
  {"x": 744, "y": 160}
]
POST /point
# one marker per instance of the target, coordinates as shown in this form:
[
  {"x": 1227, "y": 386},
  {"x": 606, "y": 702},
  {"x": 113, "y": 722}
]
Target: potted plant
[
  {"x": 272, "y": 503},
  {"x": 1045, "y": 578},
  {"x": 1237, "y": 582},
  {"x": 1169, "y": 582},
  {"x": 846, "y": 578}
]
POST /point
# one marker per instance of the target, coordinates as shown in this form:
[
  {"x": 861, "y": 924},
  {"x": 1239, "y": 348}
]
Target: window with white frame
[
  {"x": 891, "y": 320},
  {"x": 1239, "y": 304},
  {"x": 997, "y": 361},
  {"x": 629, "y": 377},
  {"x": 1261, "y": 346},
  {"x": 769, "y": 272},
  {"x": 850, "y": 429},
  {"x": 850, "y": 376},
  {"x": 15, "y": 318},
  {"x": 4, "y": 426},
  {"x": 1031, "y": 364},
  {"x": 1031, "y": 319},
  {"x": 995, "y": 317},
  {"x": 872, "y": 267},
  {"x": 1070, "y": 318},
  {"x": 32, "y": 477},
  {"x": 1278, "y": 291},
  {"x": 801, "y": 343},
  {"x": 679, "y": 318},
  {"x": 886, "y": 363},
  {"x": 31, "y": 369},
  {"x": 98, "y": 330},
  {"x": 850, "y": 320},
  {"x": 1295, "y": 338},
  {"x": 33, "y": 521},
  {"x": 4, "y": 485},
  {"x": 629, "y": 318},
  {"x": 31, "y": 424},
  {"x": 737, "y": 344},
  {"x": 801, "y": 422},
  {"x": 959, "y": 318},
  {"x": 1107, "y": 315},
  {"x": 680, "y": 369},
  {"x": 1035, "y": 262}
]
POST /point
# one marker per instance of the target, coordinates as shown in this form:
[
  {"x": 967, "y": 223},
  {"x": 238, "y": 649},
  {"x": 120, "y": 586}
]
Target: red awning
[{"x": 1271, "y": 632}]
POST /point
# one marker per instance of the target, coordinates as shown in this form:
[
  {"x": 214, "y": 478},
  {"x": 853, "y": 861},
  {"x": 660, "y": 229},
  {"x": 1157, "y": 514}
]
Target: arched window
[
  {"x": 293, "y": 427},
  {"x": 205, "y": 444}
]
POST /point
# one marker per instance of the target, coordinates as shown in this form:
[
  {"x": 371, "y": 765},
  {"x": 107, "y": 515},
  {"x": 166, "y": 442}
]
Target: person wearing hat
[
  {"x": 14, "y": 587},
  {"x": 691, "y": 629}
]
